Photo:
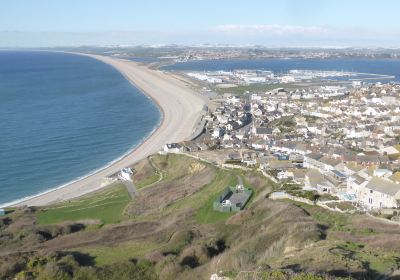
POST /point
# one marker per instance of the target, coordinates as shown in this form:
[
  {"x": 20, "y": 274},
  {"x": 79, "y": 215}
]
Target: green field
[
  {"x": 206, "y": 214},
  {"x": 106, "y": 206}
]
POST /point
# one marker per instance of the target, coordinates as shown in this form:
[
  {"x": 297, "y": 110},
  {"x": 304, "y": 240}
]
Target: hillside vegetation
[{"x": 170, "y": 231}]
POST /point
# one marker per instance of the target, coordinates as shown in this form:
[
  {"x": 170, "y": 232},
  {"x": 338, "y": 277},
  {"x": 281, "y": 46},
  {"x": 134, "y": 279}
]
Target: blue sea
[
  {"x": 361, "y": 65},
  {"x": 63, "y": 116}
]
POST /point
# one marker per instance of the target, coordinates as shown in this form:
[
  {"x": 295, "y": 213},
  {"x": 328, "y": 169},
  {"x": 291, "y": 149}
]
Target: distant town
[{"x": 176, "y": 53}]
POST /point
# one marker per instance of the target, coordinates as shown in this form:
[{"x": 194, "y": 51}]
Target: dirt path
[{"x": 131, "y": 188}]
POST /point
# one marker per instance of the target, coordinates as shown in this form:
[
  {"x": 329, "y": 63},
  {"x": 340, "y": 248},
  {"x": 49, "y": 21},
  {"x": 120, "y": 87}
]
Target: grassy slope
[
  {"x": 206, "y": 214},
  {"x": 283, "y": 234},
  {"x": 106, "y": 206},
  {"x": 145, "y": 174},
  {"x": 174, "y": 168},
  {"x": 147, "y": 181},
  {"x": 347, "y": 245},
  {"x": 106, "y": 255}
]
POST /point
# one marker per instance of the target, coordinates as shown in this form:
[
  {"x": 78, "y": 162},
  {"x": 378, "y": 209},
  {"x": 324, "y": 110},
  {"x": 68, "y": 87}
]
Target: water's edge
[{"x": 132, "y": 149}]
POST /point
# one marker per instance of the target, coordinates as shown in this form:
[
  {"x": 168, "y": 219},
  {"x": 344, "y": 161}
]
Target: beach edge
[{"x": 149, "y": 145}]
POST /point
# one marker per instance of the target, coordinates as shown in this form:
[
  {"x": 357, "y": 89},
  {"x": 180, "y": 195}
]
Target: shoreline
[
  {"x": 175, "y": 101},
  {"x": 17, "y": 202}
]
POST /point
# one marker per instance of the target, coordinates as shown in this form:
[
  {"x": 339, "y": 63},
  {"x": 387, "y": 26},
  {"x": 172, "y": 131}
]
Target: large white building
[{"x": 380, "y": 193}]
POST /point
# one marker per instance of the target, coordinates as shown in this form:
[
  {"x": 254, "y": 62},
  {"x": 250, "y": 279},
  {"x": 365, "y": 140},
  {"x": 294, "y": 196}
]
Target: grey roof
[
  {"x": 383, "y": 186},
  {"x": 315, "y": 156},
  {"x": 315, "y": 177},
  {"x": 330, "y": 161},
  {"x": 368, "y": 158},
  {"x": 280, "y": 164},
  {"x": 264, "y": 130},
  {"x": 174, "y": 145},
  {"x": 358, "y": 179}
]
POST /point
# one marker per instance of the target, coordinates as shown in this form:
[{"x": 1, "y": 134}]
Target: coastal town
[
  {"x": 185, "y": 140},
  {"x": 304, "y": 160},
  {"x": 335, "y": 143}
]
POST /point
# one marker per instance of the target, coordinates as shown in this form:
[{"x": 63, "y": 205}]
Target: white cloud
[{"x": 269, "y": 28}]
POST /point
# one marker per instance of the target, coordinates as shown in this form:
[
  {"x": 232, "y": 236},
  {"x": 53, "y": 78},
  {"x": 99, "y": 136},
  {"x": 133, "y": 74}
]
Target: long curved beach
[{"x": 180, "y": 106}]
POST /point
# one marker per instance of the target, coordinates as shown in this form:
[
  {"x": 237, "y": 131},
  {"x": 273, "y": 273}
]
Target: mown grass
[
  {"x": 106, "y": 206},
  {"x": 206, "y": 214}
]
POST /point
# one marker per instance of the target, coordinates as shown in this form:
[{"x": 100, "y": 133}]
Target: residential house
[
  {"x": 315, "y": 180},
  {"x": 173, "y": 148},
  {"x": 380, "y": 193}
]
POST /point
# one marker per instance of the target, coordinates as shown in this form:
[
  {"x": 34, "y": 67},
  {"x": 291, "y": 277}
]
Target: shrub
[
  {"x": 52, "y": 271},
  {"x": 131, "y": 270}
]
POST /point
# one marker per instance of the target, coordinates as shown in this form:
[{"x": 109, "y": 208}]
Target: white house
[
  {"x": 356, "y": 184},
  {"x": 389, "y": 151},
  {"x": 126, "y": 174},
  {"x": 380, "y": 193},
  {"x": 226, "y": 202},
  {"x": 314, "y": 180},
  {"x": 218, "y": 132},
  {"x": 312, "y": 161},
  {"x": 260, "y": 145},
  {"x": 173, "y": 148},
  {"x": 283, "y": 175}
]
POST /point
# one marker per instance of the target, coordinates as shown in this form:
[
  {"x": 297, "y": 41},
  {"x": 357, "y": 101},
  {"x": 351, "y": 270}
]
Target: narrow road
[
  {"x": 130, "y": 187},
  {"x": 240, "y": 180}
]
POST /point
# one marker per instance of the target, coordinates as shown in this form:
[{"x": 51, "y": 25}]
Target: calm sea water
[
  {"x": 373, "y": 66},
  {"x": 63, "y": 116}
]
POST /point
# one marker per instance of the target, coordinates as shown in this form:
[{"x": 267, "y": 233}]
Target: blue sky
[{"x": 271, "y": 23}]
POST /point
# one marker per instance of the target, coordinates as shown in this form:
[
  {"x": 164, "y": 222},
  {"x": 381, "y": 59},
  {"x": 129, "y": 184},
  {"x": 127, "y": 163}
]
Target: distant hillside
[{"x": 170, "y": 231}]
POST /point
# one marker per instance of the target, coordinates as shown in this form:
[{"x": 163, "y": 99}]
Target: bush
[
  {"x": 131, "y": 270},
  {"x": 52, "y": 271},
  {"x": 291, "y": 187},
  {"x": 281, "y": 275},
  {"x": 310, "y": 195},
  {"x": 8, "y": 268},
  {"x": 85, "y": 273}
]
